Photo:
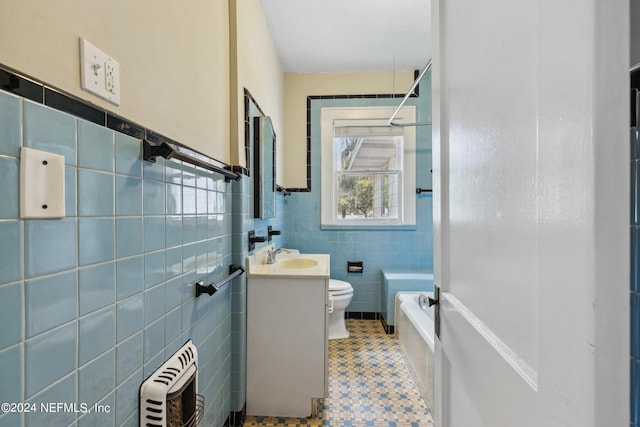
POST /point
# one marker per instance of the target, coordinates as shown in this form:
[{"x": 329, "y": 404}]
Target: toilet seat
[{"x": 339, "y": 287}]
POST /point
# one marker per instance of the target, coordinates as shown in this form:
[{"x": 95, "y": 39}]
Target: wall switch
[
  {"x": 99, "y": 73},
  {"x": 41, "y": 184}
]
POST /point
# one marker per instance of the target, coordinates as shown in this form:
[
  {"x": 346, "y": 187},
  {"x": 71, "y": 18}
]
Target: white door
[{"x": 531, "y": 189}]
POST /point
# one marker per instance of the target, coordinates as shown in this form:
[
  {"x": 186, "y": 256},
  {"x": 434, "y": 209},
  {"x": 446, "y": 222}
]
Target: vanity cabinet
[{"x": 287, "y": 346}]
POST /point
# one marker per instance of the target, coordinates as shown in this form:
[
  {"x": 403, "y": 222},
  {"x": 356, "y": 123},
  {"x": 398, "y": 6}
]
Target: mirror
[
  {"x": 260, "y": 149},
  {"x": 264, "y": 173}
]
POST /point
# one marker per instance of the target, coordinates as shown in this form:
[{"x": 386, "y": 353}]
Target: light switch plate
[
  {"x": 41, "y": 184},
  {"x": 99, "y": 73}
]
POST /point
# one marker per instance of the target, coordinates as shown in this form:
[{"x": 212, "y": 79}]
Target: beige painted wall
[
  {"x": 255, "y": 60},
  {"x": 173, "y": 59},
  {"x": 297, "y": 86}
]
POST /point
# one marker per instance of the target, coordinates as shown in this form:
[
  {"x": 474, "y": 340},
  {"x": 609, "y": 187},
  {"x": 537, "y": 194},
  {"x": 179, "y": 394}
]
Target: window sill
[{"x": 374, "y": 227}]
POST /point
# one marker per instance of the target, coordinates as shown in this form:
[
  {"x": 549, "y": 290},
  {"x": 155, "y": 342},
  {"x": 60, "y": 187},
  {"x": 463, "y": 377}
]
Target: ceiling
[{"x": 350, "y": 35}]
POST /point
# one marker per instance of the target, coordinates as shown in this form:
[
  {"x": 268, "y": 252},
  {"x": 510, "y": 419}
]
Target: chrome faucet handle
[{"x": 271, "y": 257}]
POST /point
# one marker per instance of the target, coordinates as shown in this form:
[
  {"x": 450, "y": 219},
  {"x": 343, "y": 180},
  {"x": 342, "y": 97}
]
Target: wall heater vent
[{"x": 169, "y": 397}]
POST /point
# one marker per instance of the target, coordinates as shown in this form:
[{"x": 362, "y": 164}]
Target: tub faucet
[{"x": 271, "y": 255}]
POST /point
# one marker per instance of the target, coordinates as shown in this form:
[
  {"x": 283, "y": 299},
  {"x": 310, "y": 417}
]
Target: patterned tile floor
[{"x": 369, "y": 385}]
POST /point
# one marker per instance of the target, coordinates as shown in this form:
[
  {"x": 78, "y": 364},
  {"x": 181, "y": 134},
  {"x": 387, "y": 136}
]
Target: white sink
[
  {"x": 297, "y": 263},
  {"x": 288, "y": 264}
]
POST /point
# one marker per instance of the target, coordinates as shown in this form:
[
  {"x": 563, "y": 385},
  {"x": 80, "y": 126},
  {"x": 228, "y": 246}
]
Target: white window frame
[{"x": 329, "y": 116}]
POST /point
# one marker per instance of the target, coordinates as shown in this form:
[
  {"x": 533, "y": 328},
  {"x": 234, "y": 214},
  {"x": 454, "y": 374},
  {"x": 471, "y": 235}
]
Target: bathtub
[
  {"x": 415, "y": 330},
  {"x": 394, "y": 281}
]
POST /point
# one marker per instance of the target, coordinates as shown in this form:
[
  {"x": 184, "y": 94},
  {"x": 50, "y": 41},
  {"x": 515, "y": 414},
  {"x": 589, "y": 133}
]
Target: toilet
[{"x": 340, "y": 294}]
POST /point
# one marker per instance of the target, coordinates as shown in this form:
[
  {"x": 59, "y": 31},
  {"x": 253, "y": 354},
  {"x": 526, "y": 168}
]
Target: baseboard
[
  {"x": 389, "y": 329},
  {"x": 361, "y": 315}
]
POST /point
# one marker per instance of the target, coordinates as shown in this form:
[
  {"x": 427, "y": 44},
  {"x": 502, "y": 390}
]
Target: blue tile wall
[
  {"x": 49, "y": 130},
  {"x": 55, "y": 348},
  {"x": 41, "y": 315},
  {"x": 95, "y": 193},
  {"x": 11, "y": 359},
  {"x": 95, "y": 147},
  {"x": 11, "y": 315},
  {"x": 91, "y": 304},
  {"x": 10, "y": 125},
  {"x": 11, "y": 251},
  {"x": 9, "y": 192},
  {"x": 378, "y": 249},
  {"x": 96, "y": 287},
  {"x": 61, "y": 391},
  {"x": 96, "y": 240},
  {"x": 50, "y": 246}
]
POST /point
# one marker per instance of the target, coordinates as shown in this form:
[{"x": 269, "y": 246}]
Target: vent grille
[{"x": 174, "y": 374}]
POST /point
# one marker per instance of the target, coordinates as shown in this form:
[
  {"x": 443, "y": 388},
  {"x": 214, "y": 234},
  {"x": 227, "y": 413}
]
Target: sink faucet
[{"x": 271, "y": 255}]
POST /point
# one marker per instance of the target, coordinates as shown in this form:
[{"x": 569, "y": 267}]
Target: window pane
[
  {"x": 367, "y": 196},
  {"x": 346, "y": 151},
  {"x": 368, "y": 153}
]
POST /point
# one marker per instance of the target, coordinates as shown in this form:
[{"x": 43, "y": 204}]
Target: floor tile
[{"x": 369, "y": 385}]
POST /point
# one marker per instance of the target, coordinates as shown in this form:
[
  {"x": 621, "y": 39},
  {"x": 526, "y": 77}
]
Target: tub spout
[{"x": 423, "y": 301}]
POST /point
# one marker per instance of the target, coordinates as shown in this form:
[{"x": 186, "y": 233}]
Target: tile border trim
[
  {"x": 37, "y": 91},
  {"x": 311, "y": 98}
]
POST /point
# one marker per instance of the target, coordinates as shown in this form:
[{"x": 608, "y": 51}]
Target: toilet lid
[{"x": 339, "y": 286}]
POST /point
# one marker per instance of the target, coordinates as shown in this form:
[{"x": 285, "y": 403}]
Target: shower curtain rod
[{"x": 406, "y": 97}]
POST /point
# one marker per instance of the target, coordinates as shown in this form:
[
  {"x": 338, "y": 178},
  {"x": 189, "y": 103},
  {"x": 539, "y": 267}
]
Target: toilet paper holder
[{"x": 355, "y": 267}]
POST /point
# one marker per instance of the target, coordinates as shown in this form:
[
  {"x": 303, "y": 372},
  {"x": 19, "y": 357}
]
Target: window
[{"x": 368, "y": 168}]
